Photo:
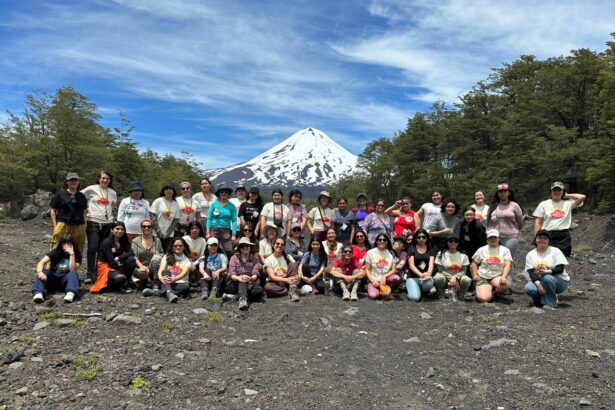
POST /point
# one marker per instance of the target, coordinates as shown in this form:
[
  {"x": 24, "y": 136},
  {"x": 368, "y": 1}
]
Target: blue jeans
[
  {"x": 68, "y": 282},
  {"x": 553, "y": 284},
  {"x": 416, "y": 287}
]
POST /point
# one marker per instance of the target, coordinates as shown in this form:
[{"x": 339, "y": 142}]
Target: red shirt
[
  {"x": 347, "y": 269},
  {"x": 404, "y": 222},
  {"x": 358, "y": 254}
]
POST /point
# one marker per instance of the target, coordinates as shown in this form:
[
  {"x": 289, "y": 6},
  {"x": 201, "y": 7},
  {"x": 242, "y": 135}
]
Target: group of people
[{"x": 239, "y": 248}]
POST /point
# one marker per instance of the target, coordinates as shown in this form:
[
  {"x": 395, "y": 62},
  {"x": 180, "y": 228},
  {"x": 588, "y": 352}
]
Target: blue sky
[{"x": 226, "y": 80}]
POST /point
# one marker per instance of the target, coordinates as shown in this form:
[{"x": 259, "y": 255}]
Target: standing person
[
  {"x": 240, "y": 196},
  {"x": 299, "y": 215},
  {"x": 490, "y": 268},
  {"x": 377, "y": 223},
  {"x": 165, "y": 213},
  {"x": 421, "y": 264},
  {"x": 430, "y": 210},
  {"x": 360, "y": 246},
  {"x": 406, "y": 222},
  {"x": 204, "y": 199},
  {"x": 63, "y": 272},
  {"x": 213, "y": 270},
  {"x": 294, "y": 243},
  {"x": 188, "y": 207},
  {"x": 546, "y": 267},
  {"x": 312, "y": 269},
  {"x": 481, "y": 210},
  {"x": 102, "y": 199},
  {"x": 173, "y": 272},
  {"x": 362, "y": 210},
  {"x": 148, "y": 252},
  {"x": 276, "y": 213},
  {"x": 344, "y": 221},
  {"x": 283, "y": 277},
  {"x": 222, "y": 220},
  {"x": 452, "y": 266},
  {"x": 506, "y": 216},
  {"x": 348, "y": 274},
  {"x": 243, "y": 274},
  {"x": 320, "y": 218},
  {"x": 68, "y": 212},
  {"x": 472, "y": 234},
  {"x": 116, "y": 263},
  {"x": 380, "y": 267},
  {"x": 250, "y": 211},
  {"x": 555, "y": 216},
  {"x": 133, "y": 210}
]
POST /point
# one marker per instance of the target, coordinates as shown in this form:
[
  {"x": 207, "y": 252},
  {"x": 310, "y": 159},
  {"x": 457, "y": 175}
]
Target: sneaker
[
  {"x": 214, "y": 293},
  {"x": 204, "y": 294},
  {"x": 38, "y": 298},
  {"x": 432, "y": 290},
  {"x": 469, "y": 297},
  {"x": 69, "y": 297},
  {"x": 243, "y": 303},
  {"x": 345, "y": 293},
  {"x": 227, "y": 297},
  {"x": 353, "y": 294},
  {"x": 549, "y": 307},
  {"x": 126, "y": 289},
  {"x": 172, "y": 297},
  {"x": 149, "y": 292},
  {"x": 293, "y": 294}
]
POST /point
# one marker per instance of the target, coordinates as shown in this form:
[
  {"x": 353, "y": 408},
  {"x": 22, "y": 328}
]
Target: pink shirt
[{"x": 507, "y": 219}]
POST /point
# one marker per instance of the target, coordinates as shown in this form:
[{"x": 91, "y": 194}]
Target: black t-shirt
[
  {"x": 250, "y": 212},
  {"x": 421, "y": 260},
  {"x": 70, "y": 207},
  {"x": 60, "y": 263}
]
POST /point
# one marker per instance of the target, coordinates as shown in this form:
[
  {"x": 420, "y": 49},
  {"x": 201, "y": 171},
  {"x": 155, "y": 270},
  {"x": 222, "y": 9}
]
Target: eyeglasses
[
  {"x": 421, "y": 237},
  {"x": 213, "y": 244},
  {"x": 382, "y": 240},
  {"x": 243, "y": 246},
  {"x": 146, "y": 227},
  {"x": 347, "y": 251},
  {"x": 185, "y": 188},
  {"x": 452, "y": 241}
]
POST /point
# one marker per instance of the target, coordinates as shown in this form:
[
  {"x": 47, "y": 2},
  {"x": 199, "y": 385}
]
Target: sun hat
[
  {"x": 244, "y": 241},
  {"x": 224, "y": 188},
  {"x": 135, "y": 186}
]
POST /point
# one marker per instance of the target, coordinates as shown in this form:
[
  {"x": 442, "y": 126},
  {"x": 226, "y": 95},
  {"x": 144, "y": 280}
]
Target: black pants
[
  {"x": 95, "y": 232},
  {"x": 119, "y": 278},
  {"x": 177, "y": 288},
  {"x": 242, "y": 289},
  {"x": 561, "y": 240},
  {"x": 214, "y": 283}
]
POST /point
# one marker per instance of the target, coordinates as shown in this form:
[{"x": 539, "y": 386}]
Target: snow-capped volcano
[{"x": 308, "y": 158}]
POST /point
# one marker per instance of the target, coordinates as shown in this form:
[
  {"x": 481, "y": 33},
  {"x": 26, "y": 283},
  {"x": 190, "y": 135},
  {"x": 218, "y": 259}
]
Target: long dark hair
[
  {"x": 293, "y": 193},
  {"x": 495, "y": 201},
  {"x": 322, "y": 255},
  {"x": 170, "y": 255},
  {"x": 389, "y": 244},
  {"x": 124, "y": 243},
  {"x": 58, "y": 253},
  {"x": 428, "y": 243},
  {"x": 366, "y": 242}
]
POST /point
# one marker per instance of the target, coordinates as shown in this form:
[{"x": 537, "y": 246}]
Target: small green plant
[
  {"x": 594, "y": 326},
  {"x": 3, "y": 407},
  {"x": 78, "y": 323},
  {"x": 214, "y": 316},
  {"x": 492, "y": 320},
  {"x": 88, "y": 361},
  {"x": 26, "y": 339},
  {"x": 583, "y": 250},
  {"x": 88, "y": 374},
  {"x": 157, "y": 314},
  {"x": 52, "y": 315},
  {"x": 215, "y": 300},
  {"x": 166, "y": 328},
  {"x": 566, "y": 331},
  {"x": 137, "y": 383}
]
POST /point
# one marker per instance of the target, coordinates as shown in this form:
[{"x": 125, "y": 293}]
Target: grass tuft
[{"x": 137, "y": 383}]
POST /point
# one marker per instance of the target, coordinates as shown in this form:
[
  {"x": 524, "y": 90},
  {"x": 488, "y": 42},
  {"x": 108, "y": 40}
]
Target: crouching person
[
  {"x": 282, "y": 273},
  {"x": 243, "y": 275},
  {"x": 63, "y": 271},
  {"x": 213, "y": 270},
  {"x": 452, "y": 266},
  {"x": 490, "y": 268},
  {"x": 116, "y": 263},
  {"x": 173, "y": 271},
  {"x": 348, "y": 274},
  {"x": 147, "y": 250}
]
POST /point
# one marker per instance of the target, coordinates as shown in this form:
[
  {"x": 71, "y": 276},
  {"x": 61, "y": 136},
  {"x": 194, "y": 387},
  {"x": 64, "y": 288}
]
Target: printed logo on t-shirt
[
  {"x": 216, "y": 212},
  {"x": 175, "y": 270},
  {"x": 382, "y": 263},
  {"x": 194, "y": 255},
  {"x": 454, "y": 268},
  {"x": 493, "y": 260},
  {"x": 277, "y": 214},
  {"x": 166, "y": 214},
  {"x": 479, "y": 217},
  {"x": 557, "y": 213},
  {"x": 541, "y": 264},
  {"x": 409, "y": 219},
  {"x": 102, "y": 200},
  {"x": 188, "y": 210}
]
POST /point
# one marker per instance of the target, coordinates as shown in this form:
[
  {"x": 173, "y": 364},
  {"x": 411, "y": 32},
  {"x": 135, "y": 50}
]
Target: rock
[
  {"x": 15, "y": 365},
  {"x": 127, "y": 320},
  {"x": 135, "y": 306},
  {"x": 40, "y": 198},
  {"x": 511, "y": 372},
  {"x": 110, "y": 316},
  {"x": 536, "y": 310},
  {"x": 250, "y": 392},
  {"x": 180, "y": 355},
  {"x": 64, "y": 322},
  {"x": 610, "y": 352},
  {"x": 29, "y": 212},
  {"x": 413, "y": 339},
  {"x": 580, "y": 293},
  {"x": 425, "y": 315},
  {"x": 200, "y": 311},
  {"x": 95, "y": 319},
  {"x": 498, "y": 343},
  {"x": 593, "y": 261},
  {"x": 351, "y": 311},
  {"x": 221, "y": 390},
  {"x": 204, "y": 340},
  {"x": 21, "y": 392},
  {"x": 430, "y": 372},
  {"x": 591, "y": 353},
  {"x": 324, "y": 321},
  {"x": 40, "y": 325},
  {"x": 36, "y": 359},
  {"x": 584, "y": 402},
  {"x": 156, "y": 367},
  {"x": 11, "y": 356},
  {"x": 3, "y": 322}
]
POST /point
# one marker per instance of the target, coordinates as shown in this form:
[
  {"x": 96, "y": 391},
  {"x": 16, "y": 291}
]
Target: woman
[
  {"x": 452, "y": 266},
  {"x": 165, "y": 213},
  {"x": 64, "y": 261},
  {"x": 377, "y": 223},
  {"x": 204, "y": 199},
  {"x": 405, "y": 222},
  {"x": 332, "y": 247},
  {"x": 481, "y": 210},
  {"x": 320, "y": 218},
  {"x": 68, "y": 213},
  {"x": 546, "y": 266},
  {"x": 490, "y": 268},
  {"x": 344, "y": 221},
  {"x": 133, "y": 211},
  {"x": 247, "y": 231},
  {"x": 222, "y": 220},
  {"x": 421, "y": 265},
  {"x": 348, "y": 274},
  {"x": 312, "y": 269},
  {"x": 555, "y": 216},
  {"x": 451, "y": 227},
  {"x": 240, "y": 197},
  {"x": 472, "y": 234},
  {"x": 359, "y": 247},
  {"x": 282, "y": 273},
  {"x": 299, "y": 215},
  {"x": 362, "y": 210},
  {"x": 173, "y": 271},
  {"x": 250, "y": 211},
  {"x": 102, "y": 199},
  {"x": 294, "y": 243},
  {"x": 265, "y": 246},
  {"x": 276, "y": 213},
  {"x": 188, "y": 209},
  {"x": 243, "y": 274},
  {"x": 213, "y": 269},
  {"x": 400, "y": 250},
  {"x": 116, "y": 263},
  {"x": 148, "y": 252},
  {"x": 430, "y": 210},
  {"x": 380, "y": 267},
  {"x": 197, "y": 245}
]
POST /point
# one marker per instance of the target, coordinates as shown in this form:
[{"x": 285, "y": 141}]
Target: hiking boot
[
  {"x": 172, "y": 297},
  {"x": 150, "y": 292},
  {"x": 227, "y": 297},
  {"x": 243, "y": 303},
  {"x": 214, "y": 293},
  {"x": 345, "y": 292},
  {"x": 205, "y": 293},
  {"x": 38, "y": 298},
  {"x": 293, "y": 294},
  {"x": 126, "y": 289},
  {"x": 353, "y": 292},
  {"x": 90, "y": 278},
  {"x": 69, "y": 297}
]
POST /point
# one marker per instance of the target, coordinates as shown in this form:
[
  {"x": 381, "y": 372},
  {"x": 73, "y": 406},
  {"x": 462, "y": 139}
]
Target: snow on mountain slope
[{"x": 306, "y": 158}]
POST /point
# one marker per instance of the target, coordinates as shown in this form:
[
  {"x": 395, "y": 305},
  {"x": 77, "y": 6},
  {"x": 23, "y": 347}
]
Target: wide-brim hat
[
  {"x": 168, "y": 185},
  {"x": 239, "y": 187},
  {"x": 255, "y": 190},
  {"x": 135, "y": 186},
  {"x": 223, "y": 188},
  {"x": 244, "y": 241},
  {"x": 325, "y": 194},
  {"x": 361, "y": 194},
  {"x": 270, "y": 225}
]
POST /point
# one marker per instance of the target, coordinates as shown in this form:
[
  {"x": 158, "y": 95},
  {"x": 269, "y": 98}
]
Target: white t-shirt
[
  {"x": 166, "y": 212},
  {"x": 332, "y": 254},
  {"x": 100, "y": 203},
  {"x": 197, "y": 246},
  {"x": 276, "y": 213},
  {"x": 549, "y": 259},
  {"x": 202, "y": 203},
  {"x": 481, "y": 213},
  {"x": 491, "y": 261},
  {"x": 430, "y": 212},
  {"x": 453, "y": 263},
  {"x": 381, "y": 262},
  {"x": 265, "y": 248},
  {"x": 279, "y": 265},
  {"x": 237, "y": 202},
  {"x": 181, "y": 262},
  {"x": 321, "y": 221},
  {"x": 132, "y": 212},
  {"x": 188, "y": 209},
  {"x": 556, "y": 215}
]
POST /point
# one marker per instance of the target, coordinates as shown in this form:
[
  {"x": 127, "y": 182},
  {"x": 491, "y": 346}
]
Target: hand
[
  {"x": 375, "y": 283},
  {"x": 215, "y": 275},
  {"x": 68, "y": 248},
  {"x": 233, "y": 238},
  {"x": 41, "y": 276},
  {"x": 293, "y": 280},
  {"x": 397, "y": 203},
  {"x": 253, "y": 277},
  {"x": 244, "y": 278},
  {"x": 117, "y": 259},
  {"x": 144, "y": 269},
  {"x": 426, "y": 276},
  {"x": 206, "y": 276},
  {"x": 453, "y": 282},
  {"x": 348, "y": 279},
  {"x": 448, "y": 231},
  {"x": 383, "y": 281},
  {"x": 166, "y": 279},
  {"x": 207, "y": 235},
  {"x": 539, "y": 287}
]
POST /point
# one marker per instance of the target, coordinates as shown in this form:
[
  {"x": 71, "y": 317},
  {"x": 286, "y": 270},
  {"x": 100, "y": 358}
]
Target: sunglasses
[
  {"x": 296, "y": 229},
  {"x": 248, "y": 230},
  {"x": 347, "y": 251},
  {"x": 382, "y": 240},
  {"x": 421, "y": 237},
  {"x": 452, "y": 241},
  {"x": 185, "y": 189},
  {"x": 146, "y": 227},
  {"x": 213, "y": 244},
  {"x": 244, "y": 246}
]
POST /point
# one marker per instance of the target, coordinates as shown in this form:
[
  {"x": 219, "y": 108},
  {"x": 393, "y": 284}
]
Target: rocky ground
[{"x": 318, "y": 353}]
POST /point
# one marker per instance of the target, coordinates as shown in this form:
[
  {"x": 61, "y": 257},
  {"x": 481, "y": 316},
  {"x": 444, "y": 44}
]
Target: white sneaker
[
  {"x": 69, "y": 297},
  {"x": 38, "y": 298},
  {"x": 432, "y": 290}
]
